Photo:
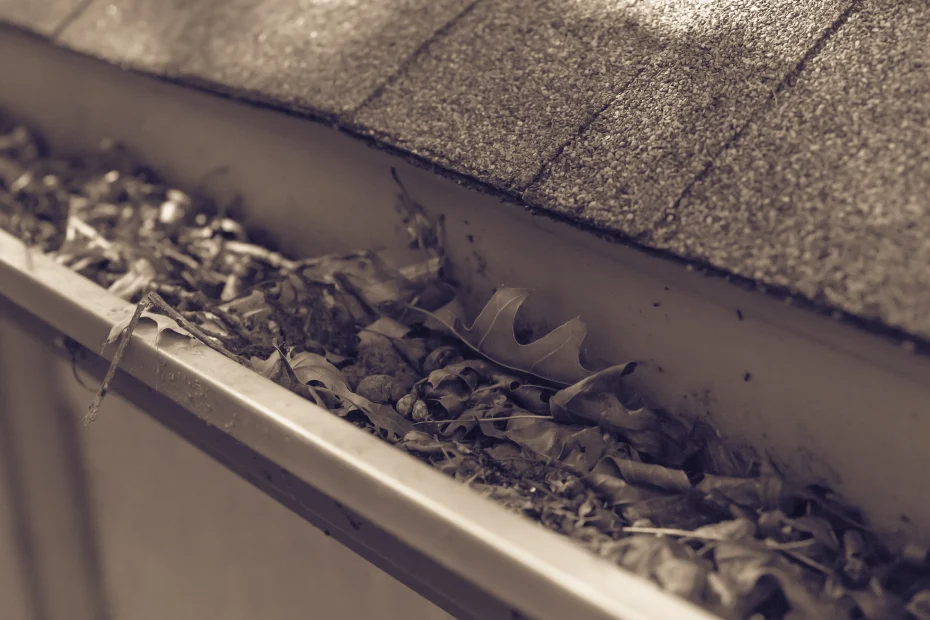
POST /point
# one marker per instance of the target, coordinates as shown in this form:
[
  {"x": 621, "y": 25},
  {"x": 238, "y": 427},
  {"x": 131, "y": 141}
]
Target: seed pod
[
  {"x": 420, "y": 412},
  {"x": 440, "y": 358},
  {"x": 405, "y": 404}
]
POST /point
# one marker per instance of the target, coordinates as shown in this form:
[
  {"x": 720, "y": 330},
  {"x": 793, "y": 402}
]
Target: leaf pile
[{"x": 378, "y": 339}]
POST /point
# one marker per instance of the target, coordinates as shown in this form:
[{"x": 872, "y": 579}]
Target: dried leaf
[
  {"x": 584, "y": 400},
  {"x": 619, "y": 492},
  {"x": 533, "y": 398},
  {"x": 753, "y": 572},
  {"x": 162, "y": 324},
  {"x": 424, "y": 443},
  {"x": 642, "y": 554},
  {"x": 366, "y": 272},
  {"x": 688, "y": 511},
  {"x": 584, "y": 448},
  {"x": 141, "y": 273},
  {"x": 731, "y": 530},
  {"x": 819, "y": 528},
  {"x": 270, "y": 368},
  {"x": 249, "y": 305},
  {"x": 636, "y": 472},
  {"x": 451, "y": 390},
  {"x": 878, "y": 605},
  {"x": 683, "y": 577},
  {"x": 382, "y": 388},
  {"x": 388, "y": 327},
  {"x": 664, "y": 560},
  {"x": 541, "y": 437},
  {"x": 761, "y": 492},
  {"x": 310, "y": 368},
  {"x": 714, "y": 457},
  {"x": 737, "y": 583},
  {"x": 313, "y": 368},
  {"x": 555, "y": 357}
]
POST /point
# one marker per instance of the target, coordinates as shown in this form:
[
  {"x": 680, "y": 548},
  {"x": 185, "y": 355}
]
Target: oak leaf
[
  {"x": 554, "y": 357},
  {"x": 311, "y": 368}
]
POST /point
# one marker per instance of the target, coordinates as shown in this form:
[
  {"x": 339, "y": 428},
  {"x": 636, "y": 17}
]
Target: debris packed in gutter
[{"x": 379, "y": 339}]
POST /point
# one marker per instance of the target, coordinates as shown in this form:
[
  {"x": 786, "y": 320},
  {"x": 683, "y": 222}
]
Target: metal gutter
[
  {"x": 479, "y": 544},
  {"x": 813, "y": 392}
]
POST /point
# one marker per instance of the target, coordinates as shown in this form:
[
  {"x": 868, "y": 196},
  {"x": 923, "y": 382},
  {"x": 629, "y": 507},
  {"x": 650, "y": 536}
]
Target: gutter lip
[
  {"x": 508, "y": 556},
  {"x": 915, "y": 343}
]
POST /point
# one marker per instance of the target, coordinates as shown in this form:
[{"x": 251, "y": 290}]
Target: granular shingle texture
[
  {"x": 498, "y": 95},
  {"x": 723, "y": 61},
  {"x": 327, "y": 56},
  {"x": 42, "y": 17},
  {"x": 134, "y": 33},
  {"x": 828, "y": 194}
]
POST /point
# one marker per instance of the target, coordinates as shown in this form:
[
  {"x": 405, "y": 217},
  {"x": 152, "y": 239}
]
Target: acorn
[
  {"x": 420, "y": 412},
  {"x": 405, "y": 405}
]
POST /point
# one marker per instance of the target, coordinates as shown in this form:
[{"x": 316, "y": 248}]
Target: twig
[
  {"x": 500, "y": 419},
  {"x": 195, "y": 331},
  {"x": 803, "y": 559},
  {"x": 670, "y": 531},
  {"x": 91, "y": 414},
  {"x": 78, "y": 225},
  {"x": 788, "y": 549},
  {"x": 791, "y": 546}
]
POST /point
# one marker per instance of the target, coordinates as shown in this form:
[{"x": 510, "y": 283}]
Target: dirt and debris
[{"x": 380, "y": 340}]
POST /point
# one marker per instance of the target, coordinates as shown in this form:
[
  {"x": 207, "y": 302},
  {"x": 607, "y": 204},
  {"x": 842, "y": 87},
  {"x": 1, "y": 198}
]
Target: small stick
[
  {"x": 163, "y": 305},
  {"x": 91, "y": 414},
  {"x": 669, "y": 531},
  {"x": 803, "y": 559},
  {"x": 786, "y": 548},
  {"x": 500, "y": 419}
]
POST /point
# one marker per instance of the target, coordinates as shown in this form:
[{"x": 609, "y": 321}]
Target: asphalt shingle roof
[
  {"x": 828, "y": 192},
  {"x": 783, "y": 141},
  {"x": 40, "y": 17},
  {"x": 723, "y": 62},
  {"x": 327, "y": 57}
]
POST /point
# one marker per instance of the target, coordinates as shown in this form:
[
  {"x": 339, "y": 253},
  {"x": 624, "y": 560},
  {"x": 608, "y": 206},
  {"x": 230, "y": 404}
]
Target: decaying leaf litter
[{"x": 378, "y": 339}]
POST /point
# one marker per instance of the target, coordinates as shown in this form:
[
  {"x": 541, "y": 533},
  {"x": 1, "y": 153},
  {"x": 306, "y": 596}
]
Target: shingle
[
  {"x": 828, "y": 194},
  {"x": 327, "y": 56},
  {"x": 41, "y": 17},
  {"x": 722, "y": 62},
  {"x": 135, "y": 33},
  {"x": 509, "y": 83}
]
